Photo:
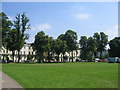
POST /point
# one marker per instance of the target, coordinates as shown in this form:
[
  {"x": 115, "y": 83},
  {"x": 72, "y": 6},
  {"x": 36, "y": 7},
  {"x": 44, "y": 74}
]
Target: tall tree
[
  {"x": 97, "y": 38},
  {"x": 91, "y": 45},
  {"x": 40, "y": 44},
  {"x": 114, "y": 50},
  {"x": 12, "y": 41},
  {"x": 71, "y": 40},
  {"x": 83, "y": 47},
  {"x": 65, "y": 47},
  {"x": 6, "y": 27},
  {"x": 59, "y": 47},
  {"x": 102, "y": 40},
  {"x": 21, "y": 25},
  {"x": 88, "y": 47},
  {"x": 49, "y": 48}
]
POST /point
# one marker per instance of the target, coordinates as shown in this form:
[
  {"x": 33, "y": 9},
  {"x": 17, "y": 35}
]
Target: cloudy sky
[{"x": 55, "y": 18}]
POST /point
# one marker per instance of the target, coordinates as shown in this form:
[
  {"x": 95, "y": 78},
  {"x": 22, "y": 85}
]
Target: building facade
[
  {"x": 24, "y": 52},
  {"x": 27, "y": 51}
]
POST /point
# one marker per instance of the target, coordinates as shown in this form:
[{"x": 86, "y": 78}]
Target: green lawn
[{"x": 64, "y": 75}]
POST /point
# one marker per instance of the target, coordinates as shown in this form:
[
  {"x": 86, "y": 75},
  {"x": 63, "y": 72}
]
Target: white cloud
[
  {"x": 83, "y": 15},
  {"x": 115, "y": 27},
  {"x": 113, "y": 32},
  {"x": 37, "y": 28},
  {"x": 44, "y": 26},
  {"x": 10, "y": 18}
]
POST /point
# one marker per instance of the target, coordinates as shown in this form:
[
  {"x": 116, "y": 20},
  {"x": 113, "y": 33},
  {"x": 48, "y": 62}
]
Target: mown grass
[{"x": 64, "y": 75}]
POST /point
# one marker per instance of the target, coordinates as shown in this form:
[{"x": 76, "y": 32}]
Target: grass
[
  {"x": 64, "y": 75},
  {"x": 0, "y": 67}
]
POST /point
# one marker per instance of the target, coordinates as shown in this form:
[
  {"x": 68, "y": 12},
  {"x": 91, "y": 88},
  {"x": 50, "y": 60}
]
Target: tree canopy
[
  {"x": 102, "y": 41},
  {"x": 6, "y": 26},
  {"x": 41, "y": 44},
  {"x": 21, "y": 25},
  {"x": 114, "y": 50}
]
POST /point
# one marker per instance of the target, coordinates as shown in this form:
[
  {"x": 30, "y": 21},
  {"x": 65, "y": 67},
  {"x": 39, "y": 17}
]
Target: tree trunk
[
  {"x": 48, "y": 56},
  {"x": 18, "y": 56},
  {"x": 63, "y": 57},
  {"x": 92, "y": 56},
  {"x": 7, "y": 56},
  {"x": 72, "y": 56},
  {"x": 101, "y": 54},
  {"x": 58, "y": 58},
  {"x": 95, "y": 54},
  {"x": 13, "y": 54},
  {"x": 69, "y": 57},
  {"x": 41, "y": 58}
]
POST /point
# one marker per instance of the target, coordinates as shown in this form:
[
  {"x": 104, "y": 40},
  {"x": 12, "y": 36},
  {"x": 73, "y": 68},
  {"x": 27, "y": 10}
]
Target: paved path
[{"x": 8, "y": 82}]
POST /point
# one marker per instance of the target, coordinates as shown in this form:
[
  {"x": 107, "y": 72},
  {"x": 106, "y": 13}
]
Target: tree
[
  {"x": 59, "y": 47},
  {"x": 71, "y": 40},
  {"x": 102, "y": 40},
  {"x": 6, "y": 26},
  {"x": 64, "y": 45},
  {"x": 83, "y": 47},
  {"x": 49, "y": 48},
  {"x": 40, "y": 44},
  {"x": 21, "y": 25},
  {"x": 114, "y": 50},
  {"x": 97, "y": 38},
  {"x": 61, "y": 37},
  {"x": 88, "y": 47},
  {"x": 91, "y": 46},
  {"x": 12, "y": 41}
]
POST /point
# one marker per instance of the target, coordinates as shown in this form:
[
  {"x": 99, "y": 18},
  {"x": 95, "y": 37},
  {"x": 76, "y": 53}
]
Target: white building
[
  {"x": 24, "y": 52},
  {"x": 28, "y": 50}
]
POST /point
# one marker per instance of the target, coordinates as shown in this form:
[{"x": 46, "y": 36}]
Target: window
[
  {"x": 20, "y": 52},
  {"x": 7, "y": 51},
  {"x": 29, "y": 53},
  {"x": 3, "y": 51}
]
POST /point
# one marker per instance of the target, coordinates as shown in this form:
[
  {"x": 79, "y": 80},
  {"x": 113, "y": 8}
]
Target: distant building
[
  {"x": 28, "y": 50},
  {"x": 24, "y": 52}
]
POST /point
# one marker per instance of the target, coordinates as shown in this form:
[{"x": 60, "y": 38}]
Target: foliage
[
  {"x": 64, "y": 47},
  {"x": 88, "y": 47},
  {"x": 21, "y": 25},
  {"x": 12, "y": 41},
  {"x": 41, "y": 44},
  {"x": 59, "y": 47},
  {"x": 49, "y": 48},
  {"x": 29, "y": 57},
  {"x": 6, "y": 26},
  {"x": 106, "y": 55},
  {"x": 102, "y": 41},
  {"x": 71, "y": 40},
  {"x": 114, "y": 50},
  {"x": 83, "y": 47}
]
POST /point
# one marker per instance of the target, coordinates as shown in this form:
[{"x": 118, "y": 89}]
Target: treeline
[
  {"x": 14, "y": 36},
  {"x": 64, "y": 43}
]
